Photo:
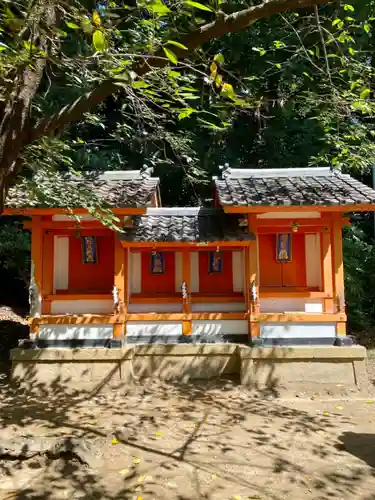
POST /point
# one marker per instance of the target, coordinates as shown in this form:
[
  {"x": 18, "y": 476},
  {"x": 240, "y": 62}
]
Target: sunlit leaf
[
  {"x": 178, "y": 44},
  {"x": 365, "y": 93},
  {"x": 98, "y": 41},
  {"x": 123, "y": 472},
  {"x": 336, "y": 21},
  {"x": 140, "y": 84},
  {"x": 73, "y": 26},
  {"x": 96, "y": 18},
  {"x": 349, "y": 7},
  {"x": 185, "y": 113},
  {"x": 219, "y": 58},
  {"x": 158, "y": 8},
  {"x": 213, "y": 68},
  {"x": 367, "y": 27},
  {"x": 171, "y": 55},
  {"x": 114, "y": 441},
  {"x": 136, "y": 460},
  {"x": 326, "y": 414},
  {"x": 197, "y": 5},
  {"x": 339, "y": 407}
]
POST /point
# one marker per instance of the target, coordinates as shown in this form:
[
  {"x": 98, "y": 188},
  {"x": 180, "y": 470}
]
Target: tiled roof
[
  {"x": 289, "y": 187},
  {"x": 118, "y": 189},
  {"x": 186, "y": 225}
]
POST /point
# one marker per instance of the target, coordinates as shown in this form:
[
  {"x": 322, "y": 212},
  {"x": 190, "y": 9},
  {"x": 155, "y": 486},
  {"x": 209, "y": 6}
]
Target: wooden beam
[
  {"x": 79, "y": 296},
  {"x": 301, "y": 318},
  {"x": 338, "y": 264},
  {"x": 261, "y": 209},
  {"x": 253, "y": 279},
  {"x": 326, "y": 248},
  {"x": 179, "y": 244},
  {"x": 66, "y": 211},
  {"x": 288, "y": 229},
  {"x": 287, "y": 223},
  {"x": 176, "y": 298}
]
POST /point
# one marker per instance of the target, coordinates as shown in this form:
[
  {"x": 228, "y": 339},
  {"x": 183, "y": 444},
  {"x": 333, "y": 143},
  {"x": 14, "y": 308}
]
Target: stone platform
[{"x": 282, "y": 370}]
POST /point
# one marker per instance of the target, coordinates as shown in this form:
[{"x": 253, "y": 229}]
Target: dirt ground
[{"x": 213, "y": 441}]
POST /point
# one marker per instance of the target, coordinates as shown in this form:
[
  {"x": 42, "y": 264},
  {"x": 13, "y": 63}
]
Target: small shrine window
[
  {"x": 89, "y": 250},
  {"x": 215, "y": 262},
  {"x": 157, "y": 263}
]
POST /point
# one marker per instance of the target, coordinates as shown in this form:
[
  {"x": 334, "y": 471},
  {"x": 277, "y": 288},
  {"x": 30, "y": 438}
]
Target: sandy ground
[{"x": 212, "y": 441}]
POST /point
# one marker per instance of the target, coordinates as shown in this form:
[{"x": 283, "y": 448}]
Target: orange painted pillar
[
  {"x": 36, "y": 288},
  {"x": 186, "y": 302},
  {"x": 121, "y": 284},
  {"x": 327, "y": 274},
  {"x": 252, "y": 280},
  {"x": 338, "y": 270}
]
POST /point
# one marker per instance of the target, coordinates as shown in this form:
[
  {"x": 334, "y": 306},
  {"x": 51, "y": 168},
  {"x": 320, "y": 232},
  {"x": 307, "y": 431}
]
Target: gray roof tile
[
  {"x": 114, "y": 189},
  {"x": 207, "y": 225},
  {"x": 277, "y": 189}
]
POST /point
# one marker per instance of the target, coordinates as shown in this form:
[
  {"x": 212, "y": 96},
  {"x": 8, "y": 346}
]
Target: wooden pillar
[
  {"x": 338, "y": 270},
  {"x": 327, "y": 271},
  {"x": 47, "y": 272},
  {"x": 186, "y": 301},
  {"x": 121, "y": 283},
  {"x": 36, "y": 287}
]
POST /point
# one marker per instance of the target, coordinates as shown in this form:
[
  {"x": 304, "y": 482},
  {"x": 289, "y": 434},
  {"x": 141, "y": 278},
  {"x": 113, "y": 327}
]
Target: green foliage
[{"x": 14, "y": 249}]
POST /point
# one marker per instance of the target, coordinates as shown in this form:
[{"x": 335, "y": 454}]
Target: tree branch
[{"x": 228, "y": 24}]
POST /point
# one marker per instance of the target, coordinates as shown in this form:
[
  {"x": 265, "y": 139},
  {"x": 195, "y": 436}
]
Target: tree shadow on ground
[
  {"x": 204, "y": 440},
  {"x": 359, "y": 445}
]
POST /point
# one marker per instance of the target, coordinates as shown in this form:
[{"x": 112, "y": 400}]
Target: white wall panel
[
  {"x": 61, "y": 263},
  {"x": 81, "y": 306},
  {"x": 213, "y": 327},
  {"x": 293, "y": 330},
  {"x": 69, "y": 332},
  {"x": 135, "y": 272},
  {"x": 218, "y": 307},
  {"x": 238, "y": 271},
  {"x": 157, "y": 308},
  {"x": 194, "y": 272},
  {"x": 290, "y": 304},
  {"x": 313, "y": 260},
  {"x": 139, "y": 328},
  {"x": 177, "y": 271}
]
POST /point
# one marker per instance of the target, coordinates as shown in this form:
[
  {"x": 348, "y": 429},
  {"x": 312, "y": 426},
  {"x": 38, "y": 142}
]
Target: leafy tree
[{"x": 59, "y": 60}]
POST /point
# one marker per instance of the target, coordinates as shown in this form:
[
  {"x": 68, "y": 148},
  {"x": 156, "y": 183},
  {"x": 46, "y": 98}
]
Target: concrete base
[{"x": 281, "y": 370}]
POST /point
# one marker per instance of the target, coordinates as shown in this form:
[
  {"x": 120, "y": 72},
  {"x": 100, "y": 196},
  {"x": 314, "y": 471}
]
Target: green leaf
[
  {"x": 185, "y": 113},
  {"x": 349, "y": 7},
  {"x": 351, "y": 51},
  {"x": 197, "y": 5},
  {"x": 260, "y": 50},
  {"x": 307, "y": 75},
  {"x": 278, "y": 65},
  {"x": 367, "y": 28},
  {"x": 278, "y": 45},
  {"x": 171, "y": 55},
  {"x": 158, "y": 8},
  {"x": 219, "y": 58},
  {"x": 178, "y": 44},
  {"x": 98, "y": 41},
  {"x": 73, "y": 26},
  {"x": 3, "y": 46},
  {"x": 336, "y": 21},
  {"x": 173, "y": 74},
  {"x": 365, "y": 93},
  {"x": 227, "y": 90},
  {"x": 140, "y": 84}
]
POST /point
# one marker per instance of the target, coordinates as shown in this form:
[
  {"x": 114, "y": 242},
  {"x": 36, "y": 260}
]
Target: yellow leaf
[
  {"x": 370, "y": 402},
  {"x": 158, "y": 433},
  {"x": 141, "y": 479},
  {"x": 96, "y": 18},
  {"x": 237, "y": 497},
  {"x": 139, "y": 498},
  {"x": 339, "y": 408},
  {"x": 326, "y": 414},
  {"x": 213, "y": 476},
  {"x": 114, "y": 441},
  {"x": 92, "y": 422},
  {"x": 136, "y": 460},
  {"x": 123, "y": 472}
]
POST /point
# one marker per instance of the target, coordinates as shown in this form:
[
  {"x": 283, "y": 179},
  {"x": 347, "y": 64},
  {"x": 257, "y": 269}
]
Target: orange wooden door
[
  {"x": 158, "y": 284},
  {"x": 270, "y": 271},
  {"x": 215, "y": 283},
  {"x": 282, "y": 274}
]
